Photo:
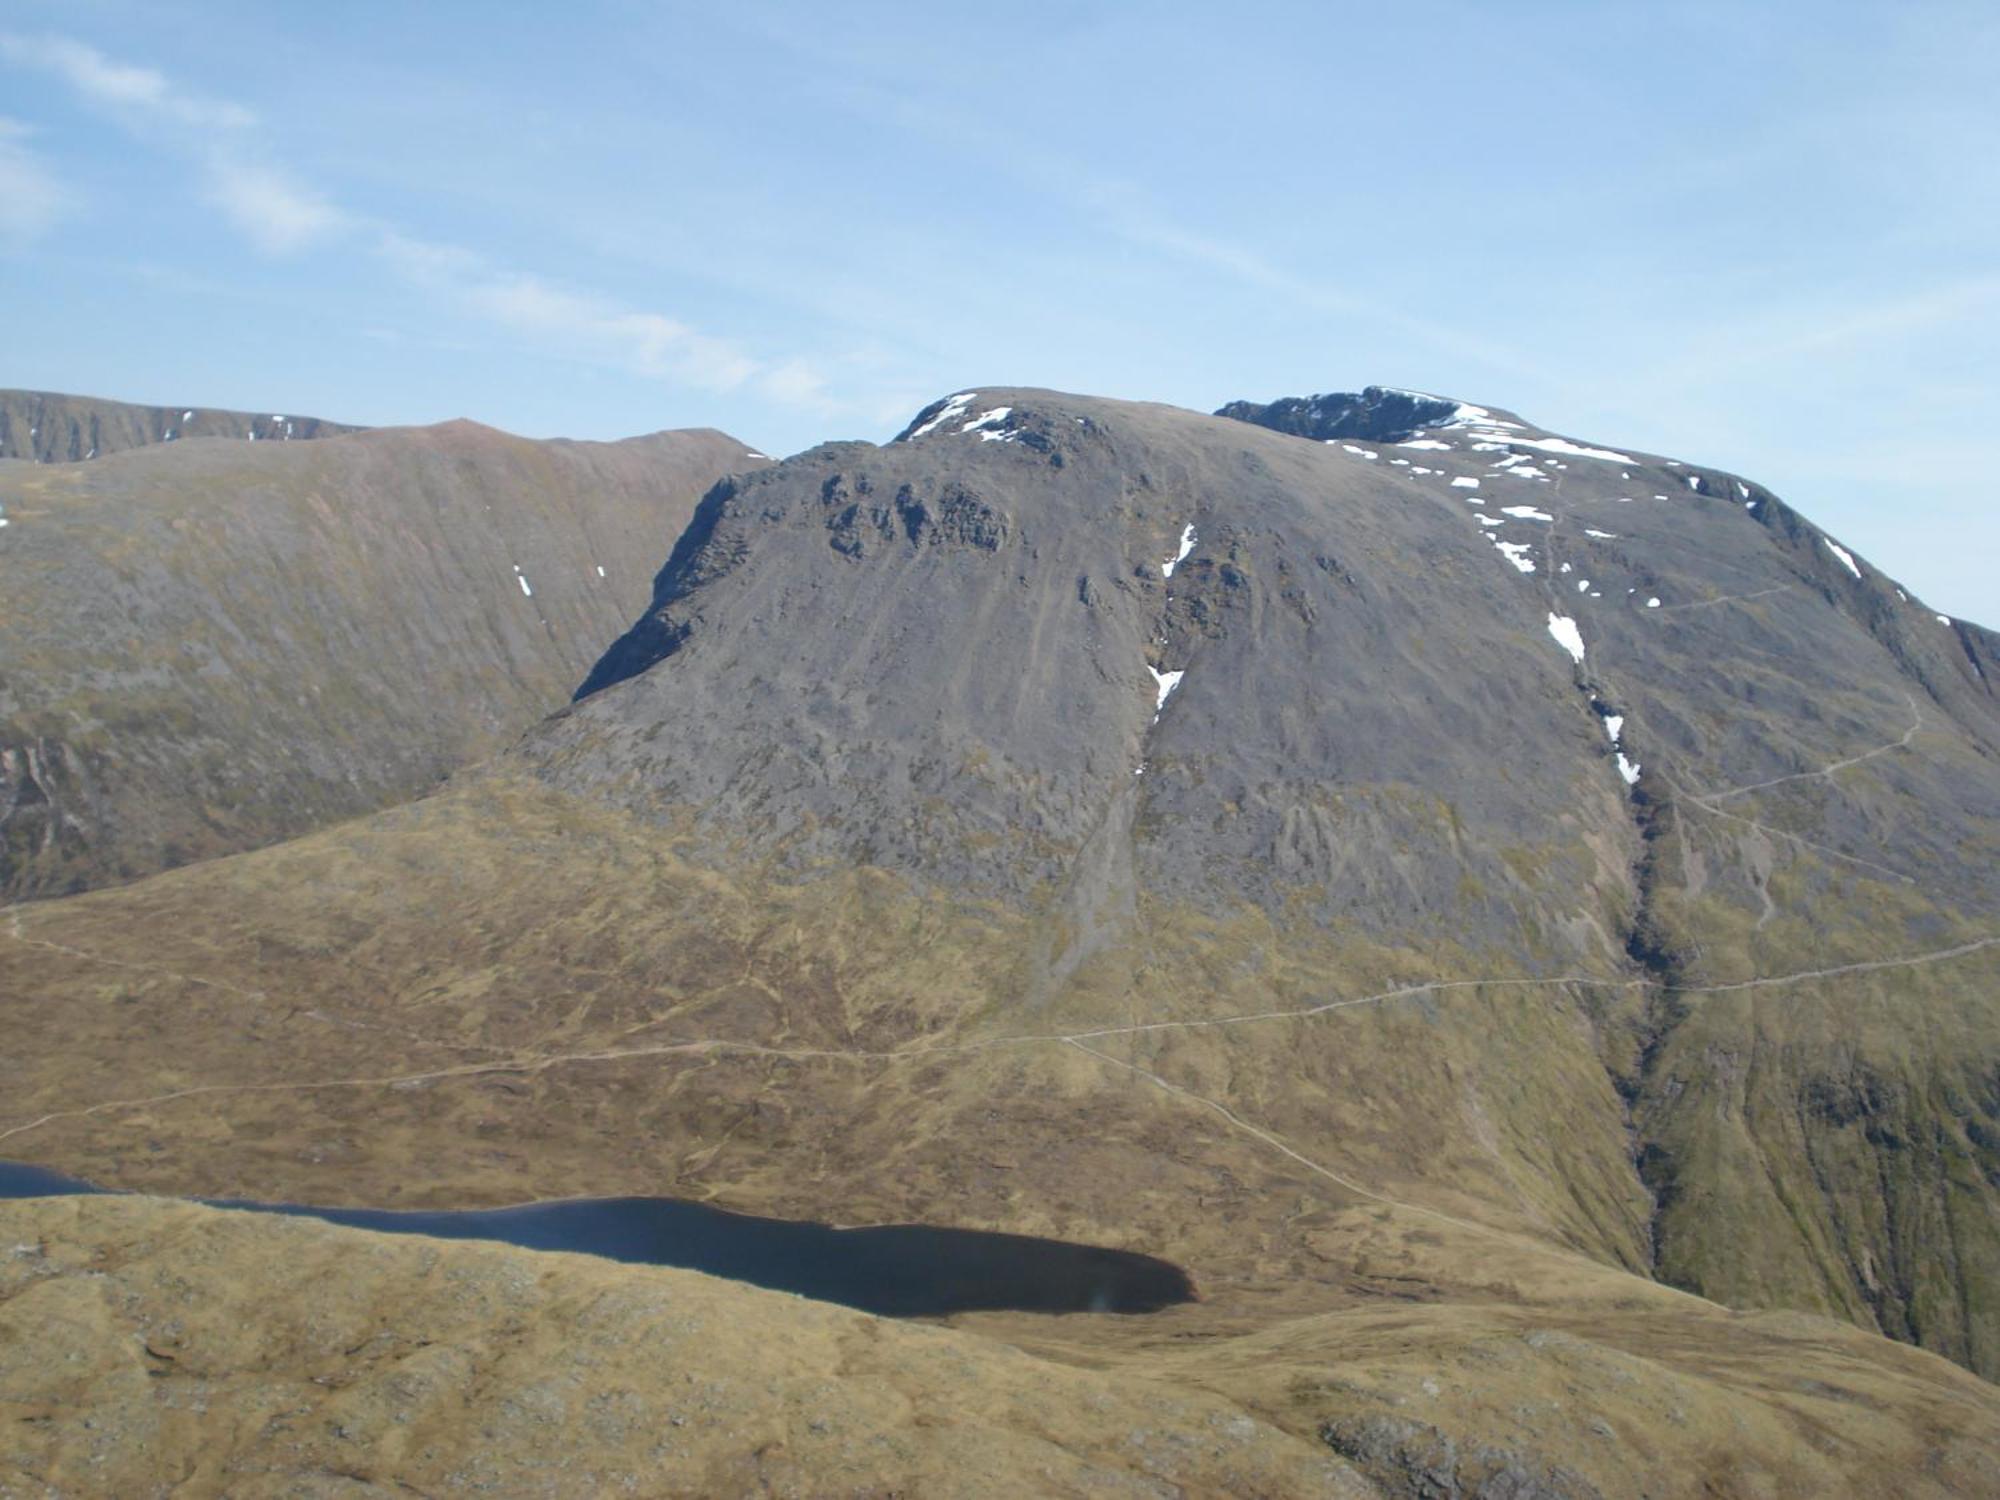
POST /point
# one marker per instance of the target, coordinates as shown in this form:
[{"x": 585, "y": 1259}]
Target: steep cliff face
[{"x": 208, "y": 645}]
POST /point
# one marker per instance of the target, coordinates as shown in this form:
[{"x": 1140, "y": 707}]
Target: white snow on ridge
[
  {"x": 1428, "y": 443},
  {"x": 1468, "y": 415},
  {"x": 955, "y": 407},
  {"x": 1187, "y": 546},
  {"x": 1567, "y": 636},
  {"x": 1573, "y": 450},
  {"x": 1164, "y": 684},
  {"x": 1364, "y": 452},
  {"x": 1465, "y": 482},
  {"x": 523, "y": 581},
  {"x": 986, "y": 420},
  {"x": 1629, "y": 769},
  {"x": 1525, "y": 513},
  {"x": 1517, "y": 554},
  {"x": 1843, "y": 554},
  {"x": 1614, "y": 724},
  {"x": 1602, "y": 536}
]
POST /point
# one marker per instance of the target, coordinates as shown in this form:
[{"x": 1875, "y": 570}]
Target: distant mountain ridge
[
  {"x": 51, "y": 428},
  {"x": 205, "y": 646}
]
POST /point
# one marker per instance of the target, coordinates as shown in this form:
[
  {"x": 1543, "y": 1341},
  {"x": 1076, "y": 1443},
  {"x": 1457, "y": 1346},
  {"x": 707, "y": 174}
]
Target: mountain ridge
[
  {"x": 53, "y": 427},
  {"x": 1458, "y": 875},
  {"x": 205, "y": 645}
]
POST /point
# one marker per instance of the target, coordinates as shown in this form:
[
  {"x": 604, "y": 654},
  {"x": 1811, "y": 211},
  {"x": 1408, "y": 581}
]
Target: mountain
[
  {"x": 49, "y": 428},
  {"x": 1476, "y": 898},
  {"x": 208, "y": 645}
]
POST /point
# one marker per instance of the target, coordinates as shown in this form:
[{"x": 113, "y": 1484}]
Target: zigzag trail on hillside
[{"x": 1826, "y": 771}]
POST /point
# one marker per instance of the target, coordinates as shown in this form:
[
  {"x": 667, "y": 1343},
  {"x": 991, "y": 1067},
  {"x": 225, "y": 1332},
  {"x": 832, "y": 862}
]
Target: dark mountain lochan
[
  {"x": 50, "y": 428},
  {"x": 1449, "y": 885},
  {"x": 207, "y": 645}
]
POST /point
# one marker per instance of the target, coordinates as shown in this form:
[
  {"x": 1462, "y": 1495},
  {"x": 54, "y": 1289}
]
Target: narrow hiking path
[
  {"x": 721, "y": 1046},
  {"x": 1827, "y": 771}
]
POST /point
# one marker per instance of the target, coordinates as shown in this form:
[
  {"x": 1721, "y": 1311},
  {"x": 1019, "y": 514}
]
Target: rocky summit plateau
[{"x": 1514, "y": 921}]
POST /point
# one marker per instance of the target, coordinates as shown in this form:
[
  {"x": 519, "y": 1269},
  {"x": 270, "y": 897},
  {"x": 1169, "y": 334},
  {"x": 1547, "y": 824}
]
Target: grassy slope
[{"x": 521, "y": 994}]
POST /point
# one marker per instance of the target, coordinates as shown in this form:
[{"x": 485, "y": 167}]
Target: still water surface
[{"x": 896, "y": 1270}]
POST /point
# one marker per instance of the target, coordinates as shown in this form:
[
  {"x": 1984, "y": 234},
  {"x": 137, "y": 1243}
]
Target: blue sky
[{"x": 1762, "y": 236}]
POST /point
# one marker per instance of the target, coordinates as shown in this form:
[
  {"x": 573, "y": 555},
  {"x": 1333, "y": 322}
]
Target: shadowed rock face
[
  {"x": 206, "y": 645},
  {"x": 1379, "y": 414},
  {"x": 45, "y": 427}
]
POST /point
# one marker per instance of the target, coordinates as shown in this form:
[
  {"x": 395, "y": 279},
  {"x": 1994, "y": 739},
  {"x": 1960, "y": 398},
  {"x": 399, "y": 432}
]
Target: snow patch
[
  {"x": 1187, "y": 546},
  {"x": 953, "y": 408},
  {"x": 1430, "y": 444},
  {"x": 1465, "y": 482},
  {"x": 1468, "y": 415},
  {"x": 1525, "y": 513},
  {"x": 1517, "y": 554},
  {"x": 1164, "y": 684},
  {"x": 1653, "y": 603},
  {"x": 1629, "y": 769},
  {"x": 522, "y": 580},
  {"x": 1364, "y": 452},
  {"x": 1602, "y": 536},
  {"x": 600, "y": 570},
  {"x": 1573, "y": 450},
  {"x": 1843, "y": 554},
  {"x": 987, "y": 422},
  {"x": 1567, "y": 636}
]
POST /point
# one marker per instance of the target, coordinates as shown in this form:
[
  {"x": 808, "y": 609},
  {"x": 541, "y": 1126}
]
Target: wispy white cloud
[
  {"x": 275, "y": 213},
  {"x": 118, "y": 85},
  {"x": 573, "y": 323},
  {"x": 31, "y": 199},
  {"x": 278, "y": 214}
]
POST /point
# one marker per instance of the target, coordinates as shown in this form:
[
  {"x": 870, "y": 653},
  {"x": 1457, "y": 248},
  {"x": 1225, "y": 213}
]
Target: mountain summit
[{"x": 1447, "y": 884}]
